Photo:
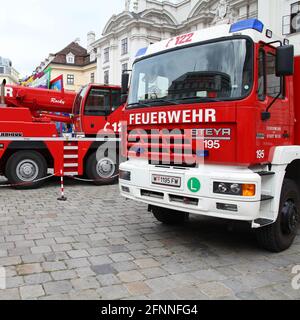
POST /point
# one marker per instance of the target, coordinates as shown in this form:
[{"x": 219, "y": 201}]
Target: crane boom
[{"x": 36, "y": 99}]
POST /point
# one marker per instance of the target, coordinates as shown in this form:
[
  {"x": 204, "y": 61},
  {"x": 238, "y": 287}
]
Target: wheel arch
[
  {"x": 285, "y": 164},
  {"x": 15, "y": 146},
  {"x": 96, "y": 144}
]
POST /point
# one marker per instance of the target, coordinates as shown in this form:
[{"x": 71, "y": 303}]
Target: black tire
[
  {"x": 93, "y": 171},
  {"x": 280, "y": 235},
  {"x": 168, "y": 216},
  {"x": 18, "y": 166}
]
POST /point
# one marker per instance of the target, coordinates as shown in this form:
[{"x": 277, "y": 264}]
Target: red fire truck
[
  {"x": 213, "y": 129},
  {"x": 30, "y": 143}
]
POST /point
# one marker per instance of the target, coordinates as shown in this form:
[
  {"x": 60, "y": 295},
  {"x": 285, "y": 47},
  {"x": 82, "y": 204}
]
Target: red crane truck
[
  {"x": 30, "y": 143},
  {"x": 214, "y": 129}
]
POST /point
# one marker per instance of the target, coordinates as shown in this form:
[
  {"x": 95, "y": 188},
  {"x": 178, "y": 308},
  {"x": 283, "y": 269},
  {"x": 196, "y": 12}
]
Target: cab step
[
  {"x": 265, "y": 173},
  {"x": 266, "y": 197},
  {"x": 263, "y": 222}
]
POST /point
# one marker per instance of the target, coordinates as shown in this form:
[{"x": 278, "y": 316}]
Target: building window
[
  {"x": 70, "y": 58},
  {"x": 124, "y": 67},
  {"x": 106, "y": 55},
  {"x": 106, "y": 77},
  {"x": 70, "y": 79},
  {"x": 295, "y": 17},
  {"x": 124, "y": 46},
  {"x": 92, "y": 77},
  {"x": 2, "y": 70}
]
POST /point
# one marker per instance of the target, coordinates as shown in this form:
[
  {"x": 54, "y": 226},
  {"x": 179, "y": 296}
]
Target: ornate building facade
[
  {"x": 8, "y": 72},
  {"x": 147, "y": 21}
]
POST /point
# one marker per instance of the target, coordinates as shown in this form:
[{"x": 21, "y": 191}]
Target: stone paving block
[
  {"x": 14, "y": 282},
  {"x": 33, "y": 258},
  {"x": 56, "y": 256},
  {"x": 130, "y": 276},
  {"x": 37, "y": 278},
  {"x": 99, "y": 260},
  {"x": 42, "y": 249},
  {"x": 10, "y": 261},
  {"x": 77, "y": 263},
  {"x": 114, "y": 292},
  {"x": 208, "y": 275},
  {"x": 215, "y": 290},
  {"x": 57, "y": 287},
  {"x": 124, "y": 266},
  {"x": 90, "y": 294},
  {"x": 53, "y": 266},
  {"x": 78, "y": 253},
  {"x": 30, "y": 268},
  {"x": 31, "y": 292},
  {"x": 85, "y": 283},
  {"x": 152, "y": 273},
  {"x": 24, "y": 244},
  {"x": 63, "y": 275},
  {"x": 85, "y": 272},
  {"x": 63, "y": 240},
  {"x": 10, "y": 294},
  {"x": 103, "y": 269},
  {"x": 147, "y": 263},
  {"x": 270, "y": 293},
  {"x": 138, "y": 288},
  {"x": 106, "y": 280},
  {"x": 120, "y": 257},
  {"x": 61, "y": 247},
  {"x": 98, "y": 251}
]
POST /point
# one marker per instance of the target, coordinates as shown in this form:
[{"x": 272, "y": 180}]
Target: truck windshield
[
  {"x": 207, "y": 72},
  {"x": 79, "y": 97}
]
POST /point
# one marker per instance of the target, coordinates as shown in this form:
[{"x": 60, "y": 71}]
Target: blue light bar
[
  {"x": 247, "y": 24},
  {"x": 141, "y": 52}
]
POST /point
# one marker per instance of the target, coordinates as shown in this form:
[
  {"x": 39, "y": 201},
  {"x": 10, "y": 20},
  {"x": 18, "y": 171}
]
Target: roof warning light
[{"x": 247, "y": 24}]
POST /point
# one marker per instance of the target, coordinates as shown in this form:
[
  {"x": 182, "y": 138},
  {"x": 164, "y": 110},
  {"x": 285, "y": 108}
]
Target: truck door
[
  {"x": 96, "y": 111},
  {"x": 114, "y": 119},
  {"x": 276, "y": 130}
]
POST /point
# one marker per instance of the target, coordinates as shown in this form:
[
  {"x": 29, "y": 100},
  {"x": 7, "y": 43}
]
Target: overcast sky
[{"x": 31, "y": 29}]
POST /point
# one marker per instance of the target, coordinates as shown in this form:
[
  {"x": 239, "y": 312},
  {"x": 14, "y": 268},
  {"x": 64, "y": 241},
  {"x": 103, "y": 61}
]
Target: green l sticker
[{"x": 194, "y": 185}]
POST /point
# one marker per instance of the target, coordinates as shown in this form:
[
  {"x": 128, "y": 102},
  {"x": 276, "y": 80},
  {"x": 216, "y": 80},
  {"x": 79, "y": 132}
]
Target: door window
[{"x": 98, "y": 103}]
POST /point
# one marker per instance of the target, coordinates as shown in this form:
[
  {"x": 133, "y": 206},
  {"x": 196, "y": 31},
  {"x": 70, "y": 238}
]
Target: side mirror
[
  {"x": 125, "y": 83},
  {"x": 285, "y": 61}
]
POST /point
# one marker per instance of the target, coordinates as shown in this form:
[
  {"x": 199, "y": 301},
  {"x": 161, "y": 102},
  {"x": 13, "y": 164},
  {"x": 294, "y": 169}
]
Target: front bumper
[{"x": 204, "y": 202}]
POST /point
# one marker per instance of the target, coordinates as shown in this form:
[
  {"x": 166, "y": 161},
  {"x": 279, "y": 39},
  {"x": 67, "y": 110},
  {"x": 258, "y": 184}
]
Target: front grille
[
  {"x": 184, "y": 200},
  {"x": 152, "y": 194},
  {"x": 163, "y": 147}
]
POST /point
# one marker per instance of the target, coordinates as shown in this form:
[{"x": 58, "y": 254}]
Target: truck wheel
[
  {"x": 280, "y": 235},
  {"x": 168, "y": 216},
  {"x": 103, "y": 171},
  {"x": 24, "y": 167}
]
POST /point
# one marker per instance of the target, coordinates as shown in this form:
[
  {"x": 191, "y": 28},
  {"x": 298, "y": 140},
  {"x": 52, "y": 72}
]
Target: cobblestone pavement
[{"x": 97, "y": 245}]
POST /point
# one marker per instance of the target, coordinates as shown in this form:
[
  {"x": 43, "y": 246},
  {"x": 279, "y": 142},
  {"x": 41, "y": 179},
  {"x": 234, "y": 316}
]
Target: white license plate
[{"x": 166, "y": 180}]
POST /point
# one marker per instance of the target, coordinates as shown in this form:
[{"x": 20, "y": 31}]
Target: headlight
[
  {"x": 125, "y": 175},
  {"x": 235, "y": 189}
]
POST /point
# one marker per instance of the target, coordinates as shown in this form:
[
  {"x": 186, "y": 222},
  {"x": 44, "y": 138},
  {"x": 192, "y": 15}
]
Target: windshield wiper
[
  {"x": 202, "y": 99},
  {"x": 138, "y": 105},
  {"x": 151, "y": 102},
  {"x": 166, "y": 100}
]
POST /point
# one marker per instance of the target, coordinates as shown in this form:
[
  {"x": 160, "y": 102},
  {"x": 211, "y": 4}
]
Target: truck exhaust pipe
[{"x": 2, "y": 100}]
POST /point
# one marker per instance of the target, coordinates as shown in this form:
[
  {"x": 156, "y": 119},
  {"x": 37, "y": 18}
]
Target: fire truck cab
[{"x": 213, "y": 129}]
